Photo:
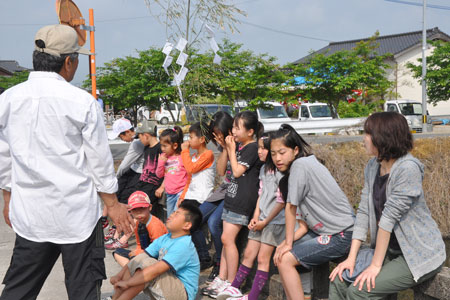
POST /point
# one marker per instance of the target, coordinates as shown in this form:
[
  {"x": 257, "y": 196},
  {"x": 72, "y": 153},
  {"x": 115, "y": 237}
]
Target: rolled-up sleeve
[
  {"x": 406, "y": 188},
  {"x": 97, "y": 151}
]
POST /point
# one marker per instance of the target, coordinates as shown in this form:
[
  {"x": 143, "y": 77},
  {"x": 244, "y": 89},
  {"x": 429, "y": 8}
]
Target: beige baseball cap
[{"x": 58, "y": 39}]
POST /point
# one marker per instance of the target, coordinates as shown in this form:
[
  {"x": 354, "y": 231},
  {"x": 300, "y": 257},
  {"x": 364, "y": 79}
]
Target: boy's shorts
[
  {"x": 122, "y": 252},
  {"x": 313, "y": 249},
  {"x": 234, "y": 218},
  {"x": 165, "y": 286},
  {"x": 272, "y": 234}
]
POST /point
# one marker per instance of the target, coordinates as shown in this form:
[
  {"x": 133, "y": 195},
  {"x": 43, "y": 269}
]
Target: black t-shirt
[
  {"x": 379, "y": 200},
  {"x": 151, "y": 155},
  {"x": 242, "y": 192}
]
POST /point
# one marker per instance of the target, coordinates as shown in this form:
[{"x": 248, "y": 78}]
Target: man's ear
[{"x": 187, "y": 226}]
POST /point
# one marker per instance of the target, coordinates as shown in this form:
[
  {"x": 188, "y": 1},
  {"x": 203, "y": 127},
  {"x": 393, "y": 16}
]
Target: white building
[{"x": 405, "y": 48}]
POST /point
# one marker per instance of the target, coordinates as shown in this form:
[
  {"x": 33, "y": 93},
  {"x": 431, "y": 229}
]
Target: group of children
[{"x": 291, "y": 204}]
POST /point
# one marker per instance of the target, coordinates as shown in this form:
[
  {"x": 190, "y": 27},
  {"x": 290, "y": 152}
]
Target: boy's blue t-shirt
[{"x": 181, "y": 255}]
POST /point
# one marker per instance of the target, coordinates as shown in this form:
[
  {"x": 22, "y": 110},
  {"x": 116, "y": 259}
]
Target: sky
[{"x": 124, "y": 26}]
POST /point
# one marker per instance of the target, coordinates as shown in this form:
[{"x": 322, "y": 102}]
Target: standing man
[{"x": 55, "y": 165}]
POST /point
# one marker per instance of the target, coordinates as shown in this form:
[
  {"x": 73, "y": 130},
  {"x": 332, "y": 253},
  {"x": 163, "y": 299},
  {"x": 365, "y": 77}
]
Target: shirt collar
[{"x": 40, "y": 74}]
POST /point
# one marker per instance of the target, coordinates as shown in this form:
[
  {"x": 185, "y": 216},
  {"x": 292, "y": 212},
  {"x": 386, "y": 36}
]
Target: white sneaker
[
  {"x": 214, "y": 284},
  {"x": 213, "y": 293},
  {"x": 229, "y": 293}
]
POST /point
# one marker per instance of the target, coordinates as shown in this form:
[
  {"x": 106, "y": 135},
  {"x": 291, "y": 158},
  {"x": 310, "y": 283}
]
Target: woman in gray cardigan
[{"x": 408, "y": 246}]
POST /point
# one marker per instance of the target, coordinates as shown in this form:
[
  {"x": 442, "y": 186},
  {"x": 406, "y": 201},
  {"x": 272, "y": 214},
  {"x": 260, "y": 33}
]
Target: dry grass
[{"x": 346, "y": 161}]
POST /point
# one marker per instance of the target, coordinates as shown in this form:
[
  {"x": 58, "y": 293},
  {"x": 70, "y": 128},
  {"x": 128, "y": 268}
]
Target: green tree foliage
[
  {"x": 331, "y": 78},
  {"x": 357, "y": 109},
  {"x": 18, "y": 77},
  {"x": 242, "y": 75},
  {"x": 438, "y": 72},
  {"x": 133, "y": 82}
]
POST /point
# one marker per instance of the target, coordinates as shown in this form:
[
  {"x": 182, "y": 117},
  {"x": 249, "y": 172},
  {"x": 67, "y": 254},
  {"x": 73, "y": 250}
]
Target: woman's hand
[
  {"x": 348, "y": 264},
  {"x": 282, "y": 249},
  {"x": 369, "y": 275},
  {"x": 219, "y": 138},
  {"x": 252, "y": 223},
  {"x": 230, "y": 144},
  {"x": 163, "y": 157},
  {"x": 259, "y": 225},
  {"x": 185, "y": 145}
]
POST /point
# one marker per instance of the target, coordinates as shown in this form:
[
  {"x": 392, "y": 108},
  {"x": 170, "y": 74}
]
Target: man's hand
[
  {"x": 185, "y": 145},
  {"x": 6, "y": 199},
  {"x": 159, "y": 192},
  {"x": 123, "y": 285},
  {"x": 121, "y": 218}
]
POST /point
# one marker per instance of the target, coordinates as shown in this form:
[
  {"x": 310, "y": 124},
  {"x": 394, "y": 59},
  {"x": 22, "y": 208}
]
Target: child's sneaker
[
  {"x": 213, "y": 293},
  {"x": 116, "y": 245},
  {"x": 110, "y": 234},
  {"x": 229, "y": 293},
  {"x": 214, "y": 272},
  {"x": 110, "y": 241},
  {"x": 211, "y": 285}
]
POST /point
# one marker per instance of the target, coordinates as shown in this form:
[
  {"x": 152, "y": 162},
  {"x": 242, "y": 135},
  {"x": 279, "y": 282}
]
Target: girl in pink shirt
[{"x": 170, "y": 166}]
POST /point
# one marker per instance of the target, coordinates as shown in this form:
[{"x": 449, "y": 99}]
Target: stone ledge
[{"x": 437, "y": 288}]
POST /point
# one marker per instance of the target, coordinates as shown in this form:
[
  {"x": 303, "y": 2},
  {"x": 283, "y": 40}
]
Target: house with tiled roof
[
  {"x": 405, "y": 48},
  {"x": 9, "y": 67}
]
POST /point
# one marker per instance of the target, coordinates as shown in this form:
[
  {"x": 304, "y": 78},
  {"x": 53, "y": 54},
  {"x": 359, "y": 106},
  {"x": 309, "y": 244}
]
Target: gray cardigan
[{"x": 405, "y": 212}]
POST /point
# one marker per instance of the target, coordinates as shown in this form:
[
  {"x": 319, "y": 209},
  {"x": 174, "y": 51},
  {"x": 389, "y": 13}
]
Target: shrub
[{"x": 346, "y": 162}]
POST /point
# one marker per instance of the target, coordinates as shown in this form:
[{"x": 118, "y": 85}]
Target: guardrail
[{"x": 320, "y": 127}]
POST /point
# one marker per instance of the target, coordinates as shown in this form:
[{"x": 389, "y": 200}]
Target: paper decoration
[
  {"x": 209, "y": 30},
  {"x": 167, "y": 48},
  {"x": 213, "y": 44},
  {"x": 167, "y": 61},
  {"x": 217, "y": 59},
  {"x": 182, "y": 59},
  {"x": 181, "y": 44},
  {"x": 182, "y": 74}
]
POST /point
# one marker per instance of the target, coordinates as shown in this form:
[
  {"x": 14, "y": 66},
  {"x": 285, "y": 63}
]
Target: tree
[
  {"x": 438, "y": 72},
  {"x": 18, "y": 77},
  {"x": 331, "y": 78},
  {"x": 187, "y": 18},
  {"x": 133, "y": 82},
  {"x": 242, "y": 75}
]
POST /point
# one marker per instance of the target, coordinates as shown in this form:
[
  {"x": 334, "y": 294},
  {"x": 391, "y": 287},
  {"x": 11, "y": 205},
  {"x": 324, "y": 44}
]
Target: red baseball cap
[{"x": 138, "y": 199}]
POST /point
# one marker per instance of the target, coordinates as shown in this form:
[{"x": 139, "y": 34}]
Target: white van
[
  {"x": 411, "y": 109},
  {"x": 314, "y": 112},
  {"x": 276, "y": 114},
  {"x": 163, "y": 114}
]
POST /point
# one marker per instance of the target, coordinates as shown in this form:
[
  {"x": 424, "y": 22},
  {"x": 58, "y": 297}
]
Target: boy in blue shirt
[{"x": 169, "y": 268}]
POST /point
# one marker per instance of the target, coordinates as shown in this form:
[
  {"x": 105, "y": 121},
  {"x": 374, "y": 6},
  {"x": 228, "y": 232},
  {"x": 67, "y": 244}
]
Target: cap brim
[
  {"x": 137, "y": 206},
  {"x": 112, "y": 135},
  {"x": 84, "y": 51}
]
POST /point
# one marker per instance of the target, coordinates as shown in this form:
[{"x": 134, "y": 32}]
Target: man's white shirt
[{"x": 55, "y": 158}]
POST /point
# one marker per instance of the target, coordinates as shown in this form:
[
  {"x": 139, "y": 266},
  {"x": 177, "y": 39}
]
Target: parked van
[
  {"x": 314, "y": 112},
  {"x": 411, "y": 109},
  {"x": 276, "y": 114},
  {"x": 163, "y": 115}
]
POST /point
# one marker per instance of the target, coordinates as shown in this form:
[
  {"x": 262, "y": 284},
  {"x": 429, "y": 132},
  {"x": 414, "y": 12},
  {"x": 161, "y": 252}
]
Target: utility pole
[{"x": 424, "y": 69}]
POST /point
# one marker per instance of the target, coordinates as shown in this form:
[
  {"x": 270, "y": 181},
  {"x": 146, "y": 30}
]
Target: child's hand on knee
[
  {"x": 114, "y": 279},
  {"x": 123, "y": 285}
]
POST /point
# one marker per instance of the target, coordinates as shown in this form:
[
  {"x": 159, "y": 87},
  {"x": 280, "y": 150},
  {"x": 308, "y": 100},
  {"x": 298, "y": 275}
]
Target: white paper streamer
[
  {"x": 181, "y": 44},
  {"x": 213, "y": 44},
  {"x": 217, "y": 59},
  {"x": 182, "y": 59},
  {"x": 167, "y": 48}
]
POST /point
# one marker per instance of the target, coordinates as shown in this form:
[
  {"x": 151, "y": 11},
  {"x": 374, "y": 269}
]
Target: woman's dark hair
[
  {"x": 250, "y": 121},
  {"x": 201, "y": 129},
  {"x": 48, "y": 63},
  {"x": 223, "y": 122},
  {"x": 290, "y": 139},
  {"x": 390, "y": 134},
  {"x": 171, "y": 136},
  {"x": 265, "y": 138},
  {"x": 283, "y": 186}
]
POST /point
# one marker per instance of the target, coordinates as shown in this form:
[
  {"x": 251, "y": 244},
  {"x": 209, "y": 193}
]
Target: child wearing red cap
[{"x": 148, "y": 227}]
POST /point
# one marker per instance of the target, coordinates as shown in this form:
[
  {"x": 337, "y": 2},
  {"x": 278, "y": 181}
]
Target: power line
[
  {"x": 284, "y": 32},
  {"x": 443, "y": 7}
]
